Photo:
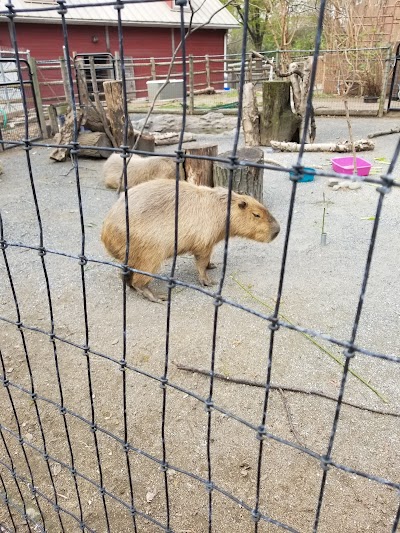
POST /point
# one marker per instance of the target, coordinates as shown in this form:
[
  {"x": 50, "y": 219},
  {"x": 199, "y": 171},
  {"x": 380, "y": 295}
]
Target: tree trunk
[
  {"x": 251, "y": 117},
  {"x": 92, "y": 120},
  {"x": 300, "y": 73},
  {"x": 246, "y": 180},
  {"x": 98, "y": 140},
  {"x": 200, "y": 171},
  {"x": 66, "y": 135},
  {"x": 278, "y": 122},
  {"x": 115, "y": 112}
]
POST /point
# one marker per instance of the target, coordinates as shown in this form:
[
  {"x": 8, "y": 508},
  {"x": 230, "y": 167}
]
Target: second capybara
[
  {"x": 139, "y": 170},
  {"x": 201, "y": 225}
]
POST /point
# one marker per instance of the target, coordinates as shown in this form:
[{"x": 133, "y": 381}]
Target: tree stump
[
  {"x": 96, "y": 139},
  {"x": 250, "y": 116},
  {"x": 200, "y": 171},
  {"x": 115, "y": 112},
  {"x": 246, "y": 180},
  {"x": 278, "y": 122},
  {"x": 66, "y": 135}
]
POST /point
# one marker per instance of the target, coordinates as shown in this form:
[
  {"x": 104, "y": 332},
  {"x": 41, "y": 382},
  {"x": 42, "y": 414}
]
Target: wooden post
[
  {"x": 52, "y": 111},
  {"x": 250, "y": 116},
  {"x": 64, "y": 74},
  {"x": 191, "y": 85},
  {"x": 208, "y": 72},
  {"x": 118, "y": 74},
  {"x": 200, "y": 171},
  {"x": 38, "y": 96},
  {"x": 385, "y": 79},
  {"x": 99, "y": 106},
  {"x": 250, "y": 60},
  {"x": 278, "y": 122},
  {"x": 153, "y": 68},
  {"x": 115, "y": 112},
  {"x": 246, "y": 180}
]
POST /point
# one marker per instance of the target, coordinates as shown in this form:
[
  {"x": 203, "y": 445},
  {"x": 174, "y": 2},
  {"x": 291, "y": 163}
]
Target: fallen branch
[
  {"x": 313, "y": 341},
  {"x": 289, "y": 417},
  {"x": 207, "y": 90},
  {"x": 346, "y": 146},
  {"x": 171, "y": 138},
  {"x": 274, "y": 387},
  {"x": 381, "y": 133}
]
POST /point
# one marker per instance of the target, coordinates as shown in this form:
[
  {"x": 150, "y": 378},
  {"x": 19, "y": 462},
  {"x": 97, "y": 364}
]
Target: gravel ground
[{"x": 321, "y": 290}]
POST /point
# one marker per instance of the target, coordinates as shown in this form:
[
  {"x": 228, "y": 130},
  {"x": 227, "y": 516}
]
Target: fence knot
[
  {"x": 296, "y": 173},
  {"x": 122, "y": 365},
  {"x": 218, "y": 301},
  {"x": 32, "y": 489},
  {"x": 3, "y": 244},
  {"x": 132, "y": 510},
  {"x": 274, "y": 326},
  {"x": 82, "y": 525},
  {"x": 10, "y": 8},
  {"x": 57, "y": 508},
  {"x": 33, "y": 396},
  {"x": 384, "y": 189},
  {"x": 209, "y": 486},
  {"x": 180, "y": 156},
  {"x": 255, "y": 515},
  {"x": 261, "y": 433},
  {"x": 63, "y": 9},
  {"x": 163, "y": 382},
  {"x": 46, "y": 456},
  {"x": 209, "y": 404},
  {"x": 102, "y": 491},
  {"x": 73, "y": 471},
  {"x": 83, "y": 260},
  {"x": 126, "y": 447},
  {"x": 6, "y": 382},
  {"x": 63, "y": 411},
  {"x": 42, "y": 251},
  {"x": 14, "y": 473},
  {"x": 171, "y": 283},
  {"x": 233, "y": 162},
  {"x": 27, "y": 145},
  {"x": 21, "y": 440},
  {"x": 325, "y": 463},
  {"x": 349, "y": 353},
  {"x": 93, "y": 428},
  {"x": 118, "y": 5},
  {"x": 164, "y": 467}
]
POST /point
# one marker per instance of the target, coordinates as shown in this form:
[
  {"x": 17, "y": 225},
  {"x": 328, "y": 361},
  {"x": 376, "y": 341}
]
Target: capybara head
[{"x": 251, "y": 219}]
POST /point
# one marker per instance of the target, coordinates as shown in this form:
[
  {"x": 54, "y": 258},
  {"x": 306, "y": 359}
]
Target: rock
[
  {"x": 354, "y": 185},
  {"x": 336, "y": 187},
  {"x": 332, "y": 182},
  {"x": 213, "y": 117},
  {"x": 343, "y": 184}
]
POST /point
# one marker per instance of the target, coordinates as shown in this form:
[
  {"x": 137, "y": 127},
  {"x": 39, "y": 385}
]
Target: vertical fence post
[
  {"x": 153, "y": 68},
  {"x": 385, "y": 79},
  {"x": 65, "y": 81},
  {"x": 118, "y": 75},
  {"x": 208, "y": 72},
  {"x": 191, "y": 85},
  {"x": 38, "y": 96}
]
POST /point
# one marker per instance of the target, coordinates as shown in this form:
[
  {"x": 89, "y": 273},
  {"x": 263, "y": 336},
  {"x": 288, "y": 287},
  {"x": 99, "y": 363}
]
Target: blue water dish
[{"x": 308, "y": 175}]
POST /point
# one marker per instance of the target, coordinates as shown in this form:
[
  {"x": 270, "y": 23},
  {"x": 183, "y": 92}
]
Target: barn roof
[{"x": 146, "y": 13}]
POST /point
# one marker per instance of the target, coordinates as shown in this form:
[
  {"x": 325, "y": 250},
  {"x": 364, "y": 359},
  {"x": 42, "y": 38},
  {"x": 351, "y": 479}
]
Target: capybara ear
[{"x": 242, "y": 204}]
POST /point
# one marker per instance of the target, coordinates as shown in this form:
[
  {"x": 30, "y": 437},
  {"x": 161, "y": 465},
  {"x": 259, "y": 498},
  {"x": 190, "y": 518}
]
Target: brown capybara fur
[
  {"x": 139, "y": 170},
  {"x": 201, "y": 225}
]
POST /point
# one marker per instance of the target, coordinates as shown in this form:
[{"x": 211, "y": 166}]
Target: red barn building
[{"x": 150, "y": 29}]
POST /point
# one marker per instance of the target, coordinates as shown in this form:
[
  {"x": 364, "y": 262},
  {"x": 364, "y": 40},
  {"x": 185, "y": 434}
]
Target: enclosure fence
[{"x": 29, "y": 486}]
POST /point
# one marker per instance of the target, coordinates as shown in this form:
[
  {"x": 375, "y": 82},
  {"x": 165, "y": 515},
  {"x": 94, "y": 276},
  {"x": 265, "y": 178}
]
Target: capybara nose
[{"x": 275, "y": 229}]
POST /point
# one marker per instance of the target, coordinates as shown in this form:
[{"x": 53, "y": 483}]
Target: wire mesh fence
[{"x": 99, "y": 432}]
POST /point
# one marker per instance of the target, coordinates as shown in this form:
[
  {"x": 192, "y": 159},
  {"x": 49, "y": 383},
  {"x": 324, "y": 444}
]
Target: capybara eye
[{"x": 256, "y": 215}]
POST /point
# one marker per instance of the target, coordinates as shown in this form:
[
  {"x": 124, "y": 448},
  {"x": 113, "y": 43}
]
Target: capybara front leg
[
  {"x": 202, "y": 262},
  {"x": 211, "y": 266},
  {"x": 140, "y": 281}
]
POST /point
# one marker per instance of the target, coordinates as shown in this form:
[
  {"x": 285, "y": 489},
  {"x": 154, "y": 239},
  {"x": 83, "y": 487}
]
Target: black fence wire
[{"x": 21, "y": 487}]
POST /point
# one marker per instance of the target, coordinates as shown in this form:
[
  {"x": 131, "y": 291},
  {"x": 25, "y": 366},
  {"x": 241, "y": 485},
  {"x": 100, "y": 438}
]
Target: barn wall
[{"x": 45, "y": 41}]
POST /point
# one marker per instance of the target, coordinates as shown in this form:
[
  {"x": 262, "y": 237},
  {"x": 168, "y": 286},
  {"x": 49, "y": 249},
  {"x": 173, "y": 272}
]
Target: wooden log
[
  {"x": 207, "y": 90},
  {"x": 278, "y": 122},
  {"x": 66, "y": 135},
  {"x": 381, "y": 133},
  {"x": 172, "y": 138},
  {"x": 52, "y": 111},
  {"x": 146, "y": 142},
  {"x": 246, "y": 180},
  {"x": 341, "y": 147},
  {"x": 96, "y": 139},
  {"x": 200, "y": 171},
  {"x": 115, "y": 112},
  {"x": 92, "y": 120},
  {"x": 250, "y": 116}
]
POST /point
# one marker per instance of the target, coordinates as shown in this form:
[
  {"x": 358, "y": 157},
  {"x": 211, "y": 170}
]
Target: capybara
[
  {"x": 201, "y": 225},
  {"x": 139, "y": 170}
]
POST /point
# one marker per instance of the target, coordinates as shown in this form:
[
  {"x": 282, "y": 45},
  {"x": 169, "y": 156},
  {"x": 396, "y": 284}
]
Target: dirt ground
[{"x": 321, "y": 290}]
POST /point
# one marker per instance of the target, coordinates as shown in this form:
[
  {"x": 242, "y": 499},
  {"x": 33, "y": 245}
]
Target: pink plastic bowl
[{"x": 345, "y": 165}]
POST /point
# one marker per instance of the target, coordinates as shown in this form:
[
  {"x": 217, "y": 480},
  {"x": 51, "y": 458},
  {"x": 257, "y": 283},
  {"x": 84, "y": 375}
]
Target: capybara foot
[
  {"x": 149, "y": 295},
  {"x": 211, "y": 266},
  {"x": 206, "y": 281}
]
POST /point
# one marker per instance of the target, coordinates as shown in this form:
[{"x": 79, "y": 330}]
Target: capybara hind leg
[{"x": 202, "y": 262}]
